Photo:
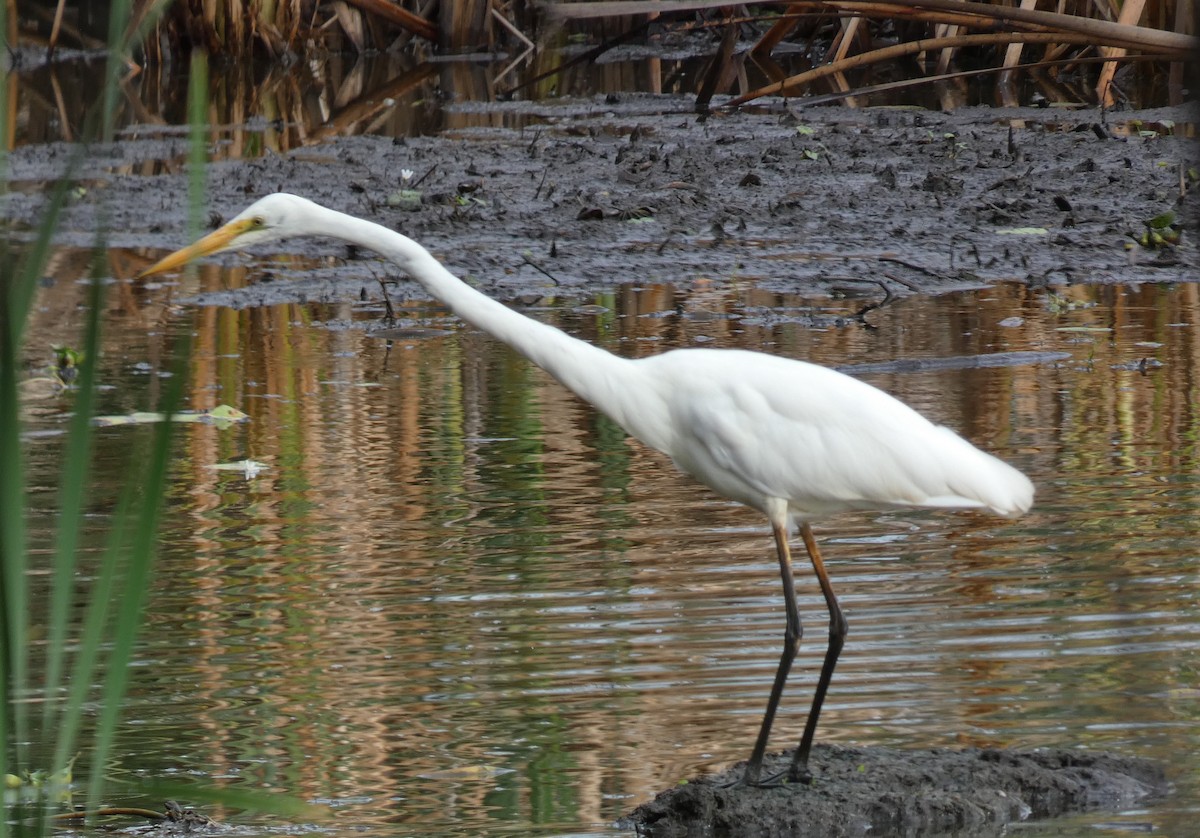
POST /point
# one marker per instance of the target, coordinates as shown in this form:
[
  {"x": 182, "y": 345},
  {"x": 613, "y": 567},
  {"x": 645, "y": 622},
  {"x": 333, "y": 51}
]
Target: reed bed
[
  {"x": 942, "y": 39},
  {"x": 938, "y": 40}
]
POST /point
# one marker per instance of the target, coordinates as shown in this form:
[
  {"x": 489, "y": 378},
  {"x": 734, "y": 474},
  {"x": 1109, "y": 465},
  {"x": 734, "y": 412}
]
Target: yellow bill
[{"x": 221, "y": 239}]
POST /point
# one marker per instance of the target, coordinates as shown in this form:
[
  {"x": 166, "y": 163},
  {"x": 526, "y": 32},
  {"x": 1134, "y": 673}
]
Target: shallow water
[{"x": 459, "y": 602}]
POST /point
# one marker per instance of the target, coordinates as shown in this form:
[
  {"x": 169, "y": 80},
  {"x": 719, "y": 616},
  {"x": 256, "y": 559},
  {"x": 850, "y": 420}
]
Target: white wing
[{"x": 756, "y": 427}]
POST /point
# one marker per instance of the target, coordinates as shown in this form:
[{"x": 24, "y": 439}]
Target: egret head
[{"x": 267, "y": 219}]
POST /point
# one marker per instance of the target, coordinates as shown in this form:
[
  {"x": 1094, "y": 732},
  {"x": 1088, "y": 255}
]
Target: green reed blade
[
  {"x": 72, "y": 487},
  {"x": 12, "y": 531},
  {"x": 139, "y": 521}
]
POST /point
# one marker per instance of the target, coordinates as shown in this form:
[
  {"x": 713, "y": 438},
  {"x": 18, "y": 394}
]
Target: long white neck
[{"x": 592, "y": 373}]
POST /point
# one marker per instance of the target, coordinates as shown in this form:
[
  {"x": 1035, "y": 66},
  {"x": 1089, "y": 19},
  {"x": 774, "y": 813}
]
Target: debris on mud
[
  {"x": 893, "y": 792},
  {"x": 596, "y": 195},
  {"x": 173, "y": 820}
]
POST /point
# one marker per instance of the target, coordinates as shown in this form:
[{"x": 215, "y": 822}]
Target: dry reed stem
[
  {"x": 351, "y": 21},
  {"x": 900, "y": 84},
  {"x": 1131, "y": 12},
  {"x": 1104, "y": 31},
  {"x": 790, "y": 85},
  {"x": 779, "y": 30},
  {"x": 54, "y": 27},
  {"x": 1012, "y": 55},
  {"x": 403, "y": 18}
]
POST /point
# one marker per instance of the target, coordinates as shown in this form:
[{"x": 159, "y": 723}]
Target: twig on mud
[
  {"x": 896, "y": 260},
  {"x": 888, "y": 297},
  {"x": 1011, "y": 180},
  {"x": 421, "y": 179},
  {"x": 532, "y": 148},
  {"x": 973, "y": 250},
  {"x": 528, "y": 261},
  {"x": 663, "y": 244},
  {"x": 389, "y": 315}
]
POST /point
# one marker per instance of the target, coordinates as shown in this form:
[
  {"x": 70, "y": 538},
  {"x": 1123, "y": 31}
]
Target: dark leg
[
  {"x": 798, "y": 772},
  {"x": 791, "y": 644}
]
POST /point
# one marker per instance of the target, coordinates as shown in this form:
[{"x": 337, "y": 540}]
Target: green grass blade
[
  {"x": 70, "y": 517},
  {"x": 106, "y": 590},
  {"x": 12, "y": 531},
  {"x": 13, "y": 557},
  {"x": 12, "y": 539},
  {"x": 141, "y": 522},
  {"x": 197, "y": 126}
]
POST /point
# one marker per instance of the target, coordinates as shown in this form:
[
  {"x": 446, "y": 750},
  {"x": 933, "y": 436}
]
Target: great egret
[{"x": 791, "y": 439}]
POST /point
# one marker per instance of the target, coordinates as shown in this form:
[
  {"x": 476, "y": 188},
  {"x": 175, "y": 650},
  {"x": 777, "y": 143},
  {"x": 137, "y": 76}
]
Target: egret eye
[{"x": 258, "y": 221}]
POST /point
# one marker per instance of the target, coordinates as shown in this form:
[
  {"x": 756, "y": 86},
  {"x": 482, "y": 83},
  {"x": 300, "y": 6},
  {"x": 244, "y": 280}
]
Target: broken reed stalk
[
  {"x": 1012, "y": 55},
  {"x": 1131, "y": 12},
  {"x": 406, "y": 20},
  {"x": 1029, "y": 26},
  {"x": 1103, "y": 31},
  {"x": 900, "y": 84},
  {"x": 792, "y": 84}
]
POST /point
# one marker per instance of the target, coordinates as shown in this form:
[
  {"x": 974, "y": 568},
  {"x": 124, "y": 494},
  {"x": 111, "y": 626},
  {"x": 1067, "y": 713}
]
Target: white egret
[{"x": 791, "y": 439}]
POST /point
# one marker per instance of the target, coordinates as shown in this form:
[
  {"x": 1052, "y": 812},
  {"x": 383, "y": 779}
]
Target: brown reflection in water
[
  {"x": 256, "y": 107},
  {"x": 453, "y": 564}
]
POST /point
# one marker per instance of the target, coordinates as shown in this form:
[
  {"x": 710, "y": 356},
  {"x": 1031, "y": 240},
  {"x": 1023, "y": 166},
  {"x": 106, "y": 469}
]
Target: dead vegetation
[
  {"x": 937, "y": 40},
  {"x": 936, "y": 34}
]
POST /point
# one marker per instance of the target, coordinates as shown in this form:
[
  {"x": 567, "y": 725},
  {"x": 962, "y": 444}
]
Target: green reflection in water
[{"x": 461, "y": 601}]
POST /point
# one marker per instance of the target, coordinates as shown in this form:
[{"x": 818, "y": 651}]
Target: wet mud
[
  {"x": 593, "y": 194},
  {"x": 890, "y": 792}
]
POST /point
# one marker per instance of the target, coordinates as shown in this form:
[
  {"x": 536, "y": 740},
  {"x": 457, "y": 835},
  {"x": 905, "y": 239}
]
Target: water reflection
[
  {"x": 258, "y": 107},
  {"x": 460, "y": 602}
]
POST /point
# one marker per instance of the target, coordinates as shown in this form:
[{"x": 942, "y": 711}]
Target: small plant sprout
[{"x": 406, "y": 175}]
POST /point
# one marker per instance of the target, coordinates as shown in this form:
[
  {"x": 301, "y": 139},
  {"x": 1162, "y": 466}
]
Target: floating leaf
[
  {"x": 1023, "y": 231},
  {"x": 466, "y": 772},
  {"x": 249, "y": 468},
  {"x": 222, "y": 416},
  {"x": 225, "y": 413}
]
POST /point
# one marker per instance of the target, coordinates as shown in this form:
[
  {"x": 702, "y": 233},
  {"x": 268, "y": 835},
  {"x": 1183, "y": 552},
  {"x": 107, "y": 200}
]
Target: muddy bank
[
  {"x": 600, "y": 192},
  {"x": 891, "y": 792}
]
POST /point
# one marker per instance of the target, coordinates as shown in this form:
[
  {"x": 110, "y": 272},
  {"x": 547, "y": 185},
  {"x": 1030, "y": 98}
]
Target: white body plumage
[{"x": 793, "y": 440}]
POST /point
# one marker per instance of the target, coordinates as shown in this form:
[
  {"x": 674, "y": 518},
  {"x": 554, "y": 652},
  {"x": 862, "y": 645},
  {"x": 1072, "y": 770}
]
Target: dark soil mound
[{"x": 892, "y": 792}]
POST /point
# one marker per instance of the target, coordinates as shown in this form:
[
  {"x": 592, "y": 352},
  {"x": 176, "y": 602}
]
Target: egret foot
[
  {"x": 789, "y": 776},
  {"x": 773, "y": 782},
  {"x": 792, "y": 776}
]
